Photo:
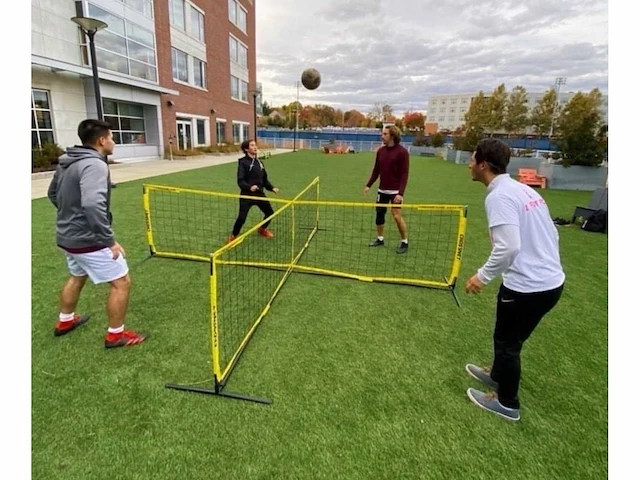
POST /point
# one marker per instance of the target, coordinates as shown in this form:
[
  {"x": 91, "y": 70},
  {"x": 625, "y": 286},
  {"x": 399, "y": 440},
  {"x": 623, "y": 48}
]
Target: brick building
[{"x": 180, "y": 71}]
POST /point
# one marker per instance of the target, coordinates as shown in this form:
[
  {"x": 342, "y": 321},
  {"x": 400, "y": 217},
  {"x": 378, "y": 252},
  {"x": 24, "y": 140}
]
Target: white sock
[
  {"x": 381, "y": 238},
  {"x": 120, "y": 329},
  {"x": 66, "y": 317},
  {"x": 405, "y": 240}
]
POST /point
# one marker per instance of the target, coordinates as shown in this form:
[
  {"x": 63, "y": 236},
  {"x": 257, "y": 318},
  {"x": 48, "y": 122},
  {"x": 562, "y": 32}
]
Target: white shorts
[{"x": 99, "y": 266}]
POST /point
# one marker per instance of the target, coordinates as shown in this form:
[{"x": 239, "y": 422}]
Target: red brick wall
[{"x": 218, "y": 95}]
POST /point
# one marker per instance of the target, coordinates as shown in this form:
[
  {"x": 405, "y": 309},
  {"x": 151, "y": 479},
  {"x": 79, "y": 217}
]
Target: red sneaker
[
  {"x": 231, "y": 239},
  {"x": 265, "y": 233},
  {"x": 63, "y": 328},
  {"x": 124, "y": 339}
]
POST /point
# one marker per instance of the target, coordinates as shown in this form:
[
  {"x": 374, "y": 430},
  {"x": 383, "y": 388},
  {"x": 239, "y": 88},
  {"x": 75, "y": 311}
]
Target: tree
[
  {"x": 437, "y": 140},
  {"x": 497, "y": 105},
  {"x": 387, "y": 113},
  {"x": 581, "y": 130},
  {"x": 542, "y": 114},
  {"x": 353, "y": 119},
  {"x": 414, "y": 120},
  {"x": 515, "y": 120},
  {"x": 476, "y": 121},
  {"x": 266, "y": 109}
]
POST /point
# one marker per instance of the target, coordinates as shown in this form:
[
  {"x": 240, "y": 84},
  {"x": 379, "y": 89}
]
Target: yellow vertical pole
[
  {"x": 215, "y": 330},
  {"x": 146, "y": 205},
  {"x": 462, "y": 228}
]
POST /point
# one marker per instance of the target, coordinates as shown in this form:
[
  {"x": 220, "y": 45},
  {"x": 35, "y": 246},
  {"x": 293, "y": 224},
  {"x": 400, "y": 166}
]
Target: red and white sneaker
[
  {"x": 126, "y": 338},
  {"x": 62, "y": 328}
]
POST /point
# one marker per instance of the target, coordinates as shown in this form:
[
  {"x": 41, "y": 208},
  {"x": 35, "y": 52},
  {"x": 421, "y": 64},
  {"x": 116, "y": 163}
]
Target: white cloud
[{"x": 401, "y": 52}]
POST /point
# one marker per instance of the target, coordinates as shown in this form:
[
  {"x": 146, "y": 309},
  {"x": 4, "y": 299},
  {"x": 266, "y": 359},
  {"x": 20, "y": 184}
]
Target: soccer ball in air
[{"x": 311, "y": 78}]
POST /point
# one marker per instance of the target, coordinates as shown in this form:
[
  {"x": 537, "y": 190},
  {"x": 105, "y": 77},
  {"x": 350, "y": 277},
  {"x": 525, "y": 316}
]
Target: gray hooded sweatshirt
[{"x": 81, "y": 191}]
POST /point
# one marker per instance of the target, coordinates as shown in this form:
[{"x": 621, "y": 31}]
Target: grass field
[{"x": 367, "y": 380}]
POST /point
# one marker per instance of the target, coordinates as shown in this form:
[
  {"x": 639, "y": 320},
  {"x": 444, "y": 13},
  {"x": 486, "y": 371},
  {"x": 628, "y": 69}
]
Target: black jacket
[{"x": 251, "y": 171}]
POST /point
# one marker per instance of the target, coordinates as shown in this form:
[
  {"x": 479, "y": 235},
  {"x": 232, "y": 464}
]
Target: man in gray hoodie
[{"x": 81, "y": 192}]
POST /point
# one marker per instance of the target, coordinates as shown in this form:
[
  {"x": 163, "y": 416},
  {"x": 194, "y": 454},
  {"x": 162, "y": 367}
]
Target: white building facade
[
  {"x": 448, "y": 110},
  {"x": 62, "y": 92}
]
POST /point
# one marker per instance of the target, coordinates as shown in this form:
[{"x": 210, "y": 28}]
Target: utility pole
[{"x": 559, "y": 81}]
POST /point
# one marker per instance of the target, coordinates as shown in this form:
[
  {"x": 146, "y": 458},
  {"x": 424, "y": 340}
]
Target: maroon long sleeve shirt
[{"x": 392, "y": 166}]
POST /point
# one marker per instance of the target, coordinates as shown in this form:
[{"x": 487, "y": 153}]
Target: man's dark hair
[
  {"x": 494, "y": 153},
  {"x": 245, "y": 145},
  {"x": 91, "y": 130}
]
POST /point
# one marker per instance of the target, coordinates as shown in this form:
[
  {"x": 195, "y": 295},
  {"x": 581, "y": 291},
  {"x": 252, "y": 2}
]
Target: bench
[{"x": 529, "y": 176}]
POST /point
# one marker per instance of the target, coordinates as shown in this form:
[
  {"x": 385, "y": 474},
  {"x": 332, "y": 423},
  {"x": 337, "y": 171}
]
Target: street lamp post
[
  {"x": 559, "y": 81},
  {"x": 90, "y": 26},
  {"x": 255, "y": 94},
  {"x": 295, "y": 131}
]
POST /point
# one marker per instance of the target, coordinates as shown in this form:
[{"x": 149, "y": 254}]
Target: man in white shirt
[{"x": 526, "y": 253}]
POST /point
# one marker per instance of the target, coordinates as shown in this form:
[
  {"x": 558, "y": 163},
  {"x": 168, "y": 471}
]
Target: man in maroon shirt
[{"x": 392, "y": 166}]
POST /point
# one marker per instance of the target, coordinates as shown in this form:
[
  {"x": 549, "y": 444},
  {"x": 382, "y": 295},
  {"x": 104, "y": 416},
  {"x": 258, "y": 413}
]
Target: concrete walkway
[{"x": 126, "y": 172}]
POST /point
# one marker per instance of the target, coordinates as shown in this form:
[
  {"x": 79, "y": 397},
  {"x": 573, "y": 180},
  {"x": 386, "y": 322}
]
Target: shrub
[{"x": 46, "y": 157}]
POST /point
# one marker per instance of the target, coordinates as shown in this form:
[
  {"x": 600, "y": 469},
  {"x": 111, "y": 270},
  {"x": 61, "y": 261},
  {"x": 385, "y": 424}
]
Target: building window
[
  {"x": 185, "y": 16},
  {"x": 238, "y": 15},
  {"x": 199, "y": 73},
  {"x": 239, "y": 89},
  {"x": 124, "y": 46},
  {"x": 201, "y": 132},
  {"x": 126, "y": 120},
  {"x": 196, "y": 27},
  {"x": 220, "y": 132},
  {"x": 41, "y": 124},
  {"x": 145, "y": 7},
  {"x": 237, "y": 52},
  {"x": 236, "y": 133},
  {"x": 240, "y": 132},
  {"x": 179, "y": 65},
  {"x": 176, "y": 14}
]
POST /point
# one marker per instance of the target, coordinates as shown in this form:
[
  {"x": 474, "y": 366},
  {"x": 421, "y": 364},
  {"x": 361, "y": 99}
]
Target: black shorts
[{"x": 385, "y": 197}]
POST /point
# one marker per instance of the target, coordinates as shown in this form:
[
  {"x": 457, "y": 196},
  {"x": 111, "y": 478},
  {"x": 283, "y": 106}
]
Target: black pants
[
  {"x": 382, "y": 211},
  {"x": 245, "y": 206},
  {"x": 517, "y": 315}
]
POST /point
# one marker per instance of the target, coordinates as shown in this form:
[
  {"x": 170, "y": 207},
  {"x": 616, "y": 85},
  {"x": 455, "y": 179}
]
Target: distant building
[{"x": 448, "y": 110}]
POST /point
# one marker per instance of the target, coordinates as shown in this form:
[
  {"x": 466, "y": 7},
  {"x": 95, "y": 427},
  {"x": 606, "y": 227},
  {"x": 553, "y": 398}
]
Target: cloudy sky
[{"x": 400, "y": 52}]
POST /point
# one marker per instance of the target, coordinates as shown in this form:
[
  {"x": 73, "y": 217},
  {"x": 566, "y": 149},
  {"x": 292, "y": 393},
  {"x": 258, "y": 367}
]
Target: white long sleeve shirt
[{"x": 524, "y": 238}]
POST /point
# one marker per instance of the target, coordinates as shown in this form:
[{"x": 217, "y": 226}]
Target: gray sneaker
[
  {"x": 402, "y": 248},
  {"x": 376, "y": 243},
  {"x": 482, "y": 374},
  {"x": 490, "y": 402}
]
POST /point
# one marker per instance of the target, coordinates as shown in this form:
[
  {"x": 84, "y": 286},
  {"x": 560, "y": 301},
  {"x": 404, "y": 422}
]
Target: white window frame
[
  {"x": 203, "y": 72},
  {"x": 194, "y": 128},
  {"x": 84, "y": 43},
  {"x": 239, "y": 44},
  {"x": 240, "y": 82},
  {"x": 120, "y": 116},
  {"x": 184, "y": 15},
  {"x": 234, "y": 20},
  {"x": 175, "y": 79},
  {"x": 149, "y": 2},
  {"x": 221, "y": 120},
  {"x": 50, "y": 110},
  {"x": 189, "y": 27},
  {"x": 241, "y": 123}
]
